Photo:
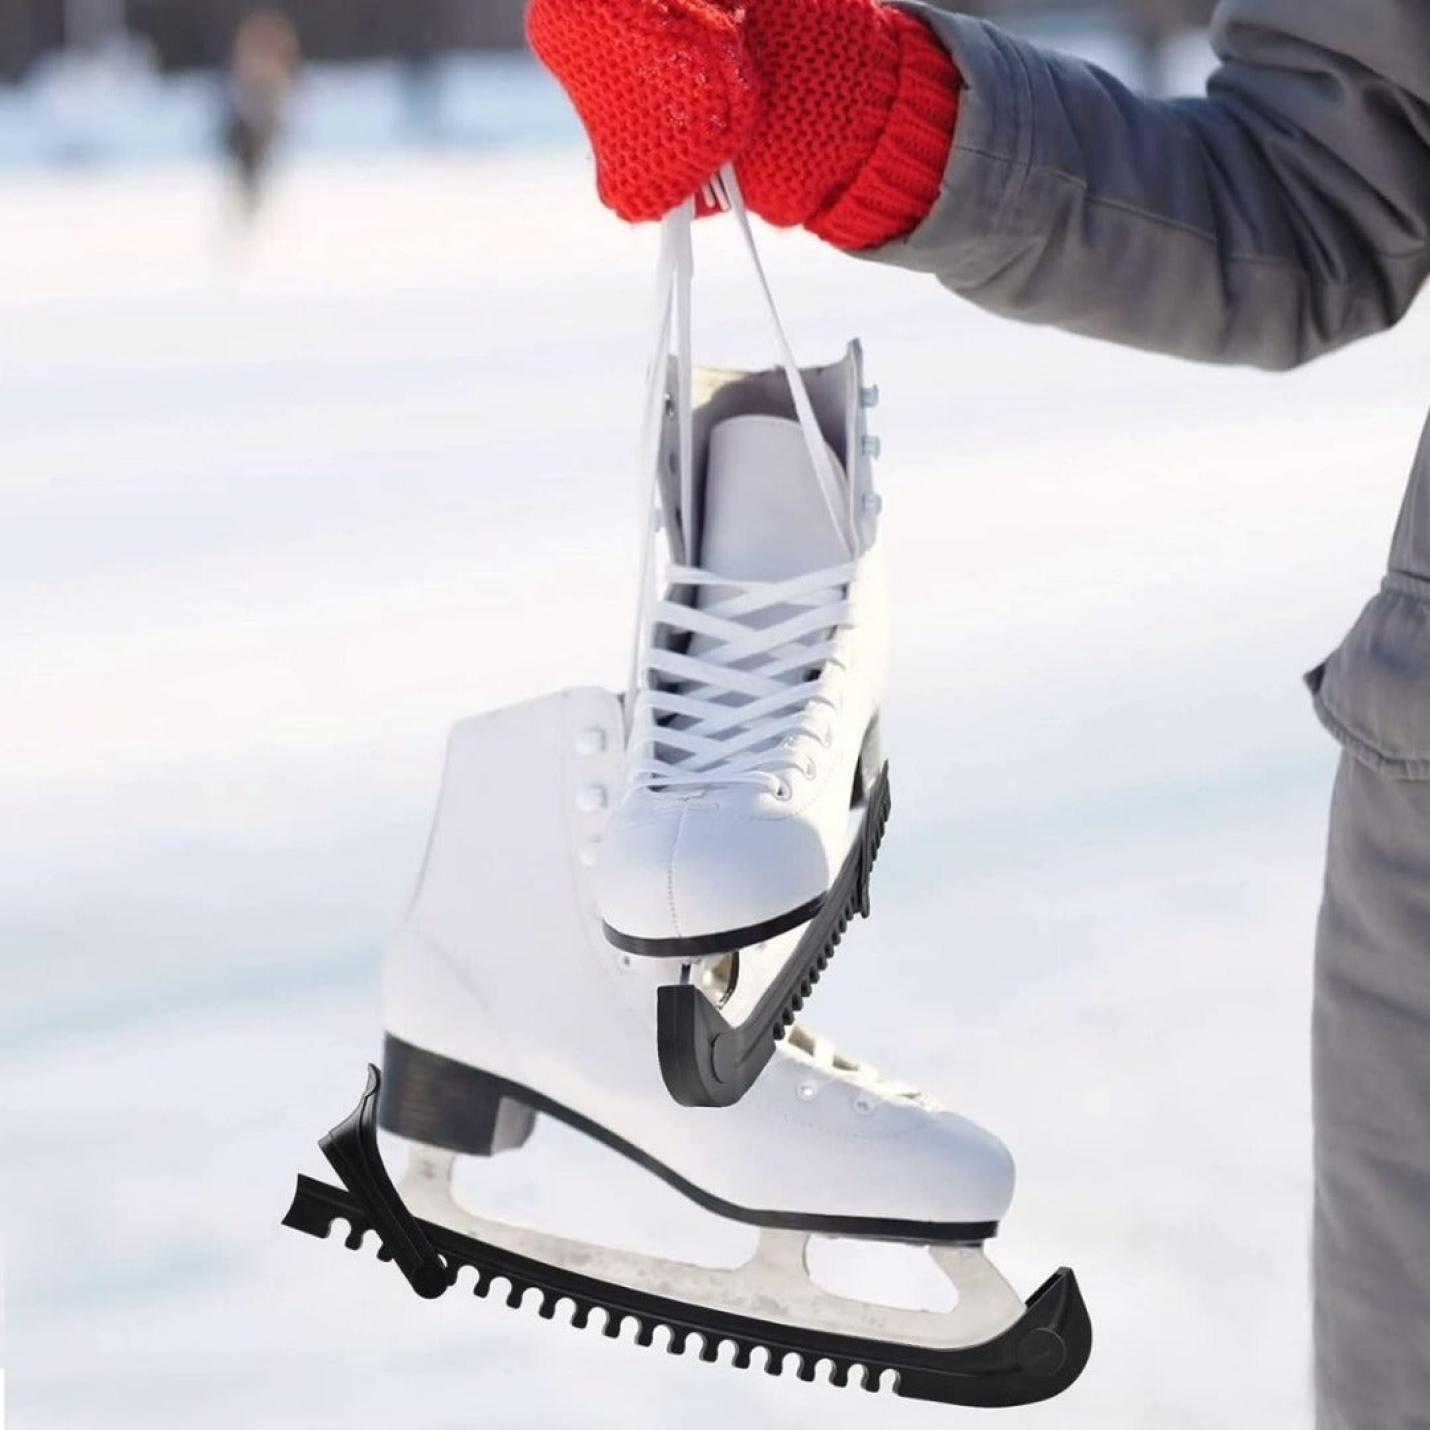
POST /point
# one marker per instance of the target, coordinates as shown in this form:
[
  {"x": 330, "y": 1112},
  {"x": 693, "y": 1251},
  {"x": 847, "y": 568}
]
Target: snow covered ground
[{"x": 274, "y": 514}]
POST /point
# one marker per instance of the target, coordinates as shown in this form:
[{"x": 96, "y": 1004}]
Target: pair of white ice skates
[{"x": 675, "y": 868}]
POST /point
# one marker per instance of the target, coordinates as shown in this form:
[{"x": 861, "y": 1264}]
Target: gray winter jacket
[{"x": 1285, "y": 214}]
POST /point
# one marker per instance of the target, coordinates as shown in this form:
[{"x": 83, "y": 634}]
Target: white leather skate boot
[
  {"x": 502, "y": 970},
  {"x": 504, "y": 1004},
  {"x": 753, "y": 774}
]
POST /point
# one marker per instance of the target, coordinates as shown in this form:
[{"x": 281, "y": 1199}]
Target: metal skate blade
[
  {"x": 773, "y": 1285},
  {"x": 759, "y": 966}
]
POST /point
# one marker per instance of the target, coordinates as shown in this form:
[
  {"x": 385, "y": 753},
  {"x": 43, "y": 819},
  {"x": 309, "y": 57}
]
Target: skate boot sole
[
  {"x": 713, "y": 944},
  {"x": 708, "y": 1063},
  {"x": 442, "y": 1103},
  {"x": 1038, "y": 1357}
]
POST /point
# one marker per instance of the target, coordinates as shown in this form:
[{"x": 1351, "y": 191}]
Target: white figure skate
[
  {"x": 755, "y": 793},
  {"x": 504, "y": 1002}
]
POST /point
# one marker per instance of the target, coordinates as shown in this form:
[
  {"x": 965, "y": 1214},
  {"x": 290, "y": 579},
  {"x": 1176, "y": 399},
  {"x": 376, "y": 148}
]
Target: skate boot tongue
[
  {"x": 765, "y": 519},
  {"x": 765, "y": 516}
]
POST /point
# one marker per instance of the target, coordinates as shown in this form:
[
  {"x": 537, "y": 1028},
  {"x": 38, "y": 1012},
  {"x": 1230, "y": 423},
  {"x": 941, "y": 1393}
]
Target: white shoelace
[
  {"x": 739, "y": 712},
  {"x": 732, "y": 714}
]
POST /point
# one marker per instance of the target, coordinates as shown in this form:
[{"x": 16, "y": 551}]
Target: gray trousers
[{"x": 1372, "y": 1011}]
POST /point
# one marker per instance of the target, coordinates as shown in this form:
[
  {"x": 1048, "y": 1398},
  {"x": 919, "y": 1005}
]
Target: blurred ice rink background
[{"x": 276, "y": 510}]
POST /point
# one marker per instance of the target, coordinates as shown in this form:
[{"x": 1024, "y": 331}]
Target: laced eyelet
[{"x": 811, "y": 770}]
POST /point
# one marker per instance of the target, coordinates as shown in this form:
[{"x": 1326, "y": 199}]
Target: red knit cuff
[{"x": 899, "y": 184}]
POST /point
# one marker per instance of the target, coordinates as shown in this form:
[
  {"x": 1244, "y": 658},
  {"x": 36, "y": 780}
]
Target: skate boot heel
[{"x": 431, "y": 1099}]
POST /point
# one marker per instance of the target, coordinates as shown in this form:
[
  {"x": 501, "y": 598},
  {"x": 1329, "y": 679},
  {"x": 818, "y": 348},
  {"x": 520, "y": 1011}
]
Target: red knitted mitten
[{"x": 838, "y": 114}]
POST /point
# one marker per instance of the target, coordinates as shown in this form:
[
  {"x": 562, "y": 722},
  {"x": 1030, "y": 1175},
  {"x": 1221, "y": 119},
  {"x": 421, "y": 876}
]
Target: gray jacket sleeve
[{"x": 1283, "y": 215}]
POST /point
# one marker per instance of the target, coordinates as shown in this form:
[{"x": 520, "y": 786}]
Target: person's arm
[{"x": 1284, "y": 215}]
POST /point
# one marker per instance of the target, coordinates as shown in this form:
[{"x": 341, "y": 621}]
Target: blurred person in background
[
  {"x": 425, "y": 45},
  {"x": 1280, "y": 216},
  {"x": 263, "y": 71}
]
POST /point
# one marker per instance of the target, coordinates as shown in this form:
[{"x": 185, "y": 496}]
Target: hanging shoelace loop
[{"x": 766, "y": 679}]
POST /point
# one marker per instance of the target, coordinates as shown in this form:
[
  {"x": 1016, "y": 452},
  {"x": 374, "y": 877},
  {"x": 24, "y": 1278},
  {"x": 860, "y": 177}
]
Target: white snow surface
[{"x": 275, "y": 513}]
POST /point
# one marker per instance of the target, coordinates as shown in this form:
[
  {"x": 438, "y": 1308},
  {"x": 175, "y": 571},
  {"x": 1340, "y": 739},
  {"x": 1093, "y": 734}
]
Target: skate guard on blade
[
  {"x": 716, "y": 1033},
  {"x": 1039, "y": 1352}
]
